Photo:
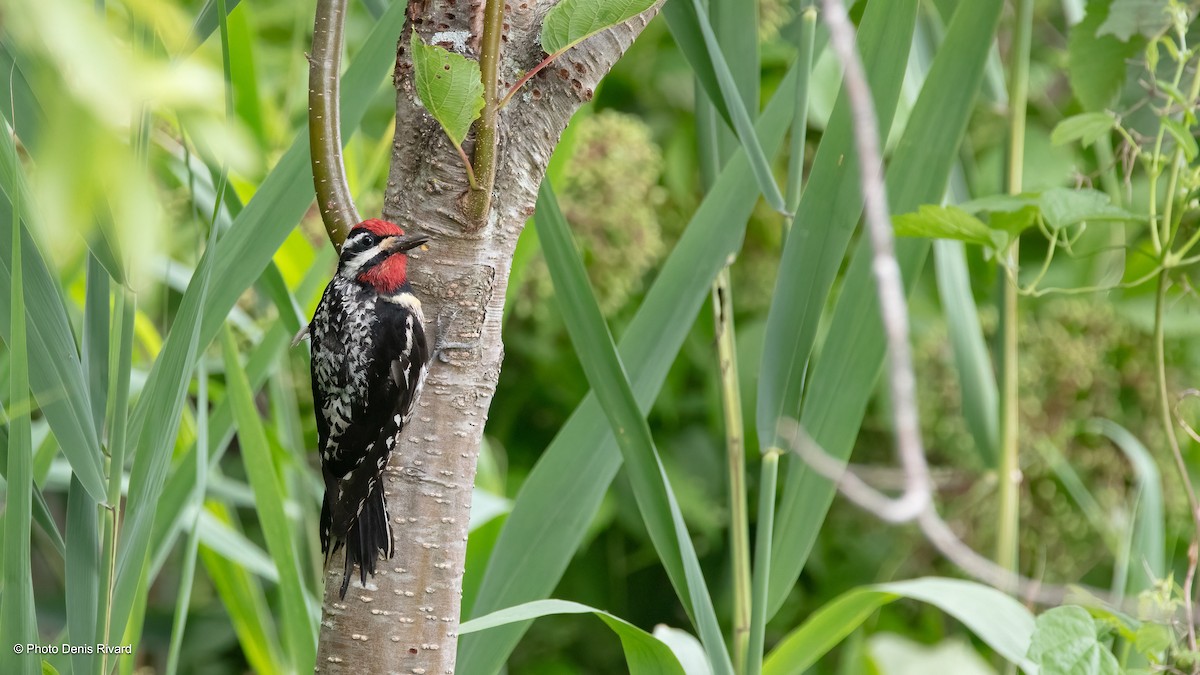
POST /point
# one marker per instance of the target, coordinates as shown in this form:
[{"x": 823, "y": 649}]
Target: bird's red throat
[{"x": 388, "y": 275}]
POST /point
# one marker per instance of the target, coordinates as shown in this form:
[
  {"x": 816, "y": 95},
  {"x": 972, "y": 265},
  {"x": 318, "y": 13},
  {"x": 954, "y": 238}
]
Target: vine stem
[
  {"x": 334, "y": 200},
  {"x": 1160, "y": 365},
  {"x": 483, "y": 176},
  {"x": 1010, "y": 463}
]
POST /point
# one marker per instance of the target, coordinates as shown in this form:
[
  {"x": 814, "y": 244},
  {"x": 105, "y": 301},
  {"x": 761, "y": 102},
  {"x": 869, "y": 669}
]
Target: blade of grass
[
  {"x": 264, "y": 358},
  {"x": 651, "y": 487},
  {"x": 188, "y": 572},
  {"x": 1148, "y": 548},
  {"x": 843, "y": 377},
  {"x": 299, "y": 630},
  {"x": 83, "y": 573},
  {"x": 973, "y": 364},
  {"x": 565, "y": 488},
  {"x": 41, "y": 511},
  {"x": 53, "y": 357},
  {"x": 95, "y": 339},
  {"x": 244, "y": 600},
  {"x": 825, "y": 221},
  {"x": 1000, "y": 621},
  {"x": 684, "y": 24},
  {"x": 644, "y": 653},
  {"x": 742, "y": 124},
  {"x": 18, "y": 622},
  {"x": 236, "y": 261}
]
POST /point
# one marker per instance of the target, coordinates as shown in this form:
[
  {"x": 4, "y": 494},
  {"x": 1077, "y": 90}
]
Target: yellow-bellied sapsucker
[{"x": 369, "y": 361}]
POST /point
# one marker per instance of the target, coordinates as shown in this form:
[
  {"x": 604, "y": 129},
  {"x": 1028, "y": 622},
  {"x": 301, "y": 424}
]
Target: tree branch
[{"x": 324, "y": 123}]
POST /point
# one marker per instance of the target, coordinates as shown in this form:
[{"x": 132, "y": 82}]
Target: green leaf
[
  {"x": 1182, "y": 135},
  {"x": 1096, "y": 63},
  {"x": 1152, "y": 639},
  {"x": 1127, "y": 18},
  {"x": 1086, "y": 128},
  {"x": 563, "y": 492},
  {"x": 268, "y": 501},
  {"x": 1067, "y": 642},
  {"x": 1063, "y": 207},
  {"x": 1147, "y": 553},
  {"x": 944, "y": 222},
  {"x": 977, "y": 378},
  {"x": 572, "y": 21},
  {"x": 54, "y": 365},
  {"x": 243, "y": 598},
  {"x": 450, "y": 87},
  {"x": 997, "y": 619},
  {"x": 18, "y": 621},
  {"x": 598, "y": 355},
  {"x": 644, "y": 653},
  {"x": 83, "y": 573},
  {"x": 843, "y": 377},
  {"x": 742, "y": 125},
  {"x": 684, "y": 25},
  {"x": 825, "y": 222},
  {"x": 242, "y": 253}
]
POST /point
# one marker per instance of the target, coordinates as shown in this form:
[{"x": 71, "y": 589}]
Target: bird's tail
[{"x": 368, "y": 536}]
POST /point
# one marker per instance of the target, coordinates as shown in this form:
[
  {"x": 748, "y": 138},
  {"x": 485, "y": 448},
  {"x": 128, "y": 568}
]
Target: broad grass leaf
[
  {"x": 644, "y": 653},
  {"x": 449, "y": 85},
  {"x": 598, "y": 355},
  {"x": 843, "y": 377},
  {"x": 1066, "y": 641},
  {"x": 563, "y": 492},
  {"x": 825, "y": 222},
  {"x": 269, "y": 504},
  {"x": 572, "y": 21},
  {"x": 997, "y": 619}
]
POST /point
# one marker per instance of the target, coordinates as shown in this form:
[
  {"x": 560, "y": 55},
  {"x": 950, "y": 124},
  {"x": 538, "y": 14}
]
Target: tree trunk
[{"x": 406, "y": 620}]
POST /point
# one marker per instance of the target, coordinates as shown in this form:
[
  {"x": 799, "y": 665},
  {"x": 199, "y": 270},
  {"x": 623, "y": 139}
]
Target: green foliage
[
  {"x": 1067, "y": 642},
  {"x": 449, "y": 86},
  {"x": 119, "y": 188},
  {"x": 946, "y": 222},
  {"x": 645, "y": 654},
  {"x": 1086, "y": 128},
  {"x": 572, "y": 21}
]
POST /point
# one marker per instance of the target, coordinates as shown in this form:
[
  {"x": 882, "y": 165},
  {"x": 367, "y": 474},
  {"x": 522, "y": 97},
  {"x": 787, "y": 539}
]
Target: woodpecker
[{"x": 369, "y": 361}]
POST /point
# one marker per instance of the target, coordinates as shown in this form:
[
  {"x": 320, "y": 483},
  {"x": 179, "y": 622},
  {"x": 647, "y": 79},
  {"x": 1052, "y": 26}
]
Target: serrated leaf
[
  {"x": 1086, "y": 128},
  {"x": 1182, "y": 136},
  {"x": 1127, "y": 18},
  {"x": 1066, "y": 642},
  {"x": 450, "y": 87},
  {"x": 944, "y": 222},
  {"x": 1096, "y": 63},
  {"x": 572, "y": 21},
  {"x": 1062, "y": 207}
]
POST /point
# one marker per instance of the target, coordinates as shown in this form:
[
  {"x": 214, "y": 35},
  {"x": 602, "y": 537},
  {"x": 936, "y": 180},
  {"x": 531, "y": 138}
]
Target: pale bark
[{"x": 406, "y": 621}]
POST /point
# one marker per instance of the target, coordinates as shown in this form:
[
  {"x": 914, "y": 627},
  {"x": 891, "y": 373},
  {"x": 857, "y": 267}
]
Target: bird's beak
[{"x": 405, "y": 243}]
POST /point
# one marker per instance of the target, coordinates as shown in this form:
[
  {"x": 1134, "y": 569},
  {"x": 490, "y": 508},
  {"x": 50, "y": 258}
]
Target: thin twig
[{"x": 890, "y": 285}]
